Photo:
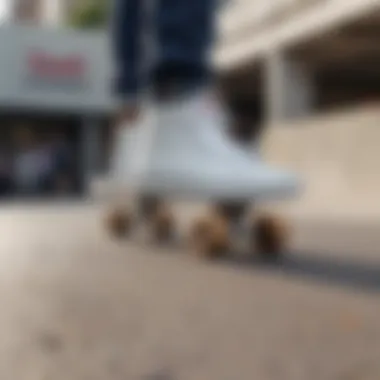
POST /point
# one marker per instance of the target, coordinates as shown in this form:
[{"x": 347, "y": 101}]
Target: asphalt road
[{"x": 76, "y": 305}]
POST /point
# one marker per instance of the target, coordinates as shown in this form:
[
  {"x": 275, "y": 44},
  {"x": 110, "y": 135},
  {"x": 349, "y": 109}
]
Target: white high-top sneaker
[
  {"x": 131, "y": 151},
  {"x": 192, "y": 156}
]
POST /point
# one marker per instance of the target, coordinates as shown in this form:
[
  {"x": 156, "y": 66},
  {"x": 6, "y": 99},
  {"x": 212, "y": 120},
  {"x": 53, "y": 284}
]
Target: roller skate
[{"x": 189, "y": 155}]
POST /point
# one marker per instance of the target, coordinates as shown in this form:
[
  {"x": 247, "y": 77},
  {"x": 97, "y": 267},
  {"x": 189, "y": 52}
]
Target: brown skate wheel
[
  {"x": 162, "y": 224},
  {"x": 269, "y": 236},
  {"x": 119, "y": 223},
  {"x": 210, "y": 236}
]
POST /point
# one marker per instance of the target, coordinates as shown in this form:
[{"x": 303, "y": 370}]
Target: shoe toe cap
[{"x": 282, "y": 182}]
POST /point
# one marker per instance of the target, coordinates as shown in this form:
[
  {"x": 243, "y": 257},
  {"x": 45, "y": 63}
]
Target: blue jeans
[{"x": 182, "y": 32}]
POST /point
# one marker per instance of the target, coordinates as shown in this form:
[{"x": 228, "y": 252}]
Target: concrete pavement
[
  {"x": 75, "y": 305},
  {"x": 337, "y": 156}
]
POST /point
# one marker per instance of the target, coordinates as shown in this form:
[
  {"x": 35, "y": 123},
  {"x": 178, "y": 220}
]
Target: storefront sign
[
  {"x": 53, "y": 69},
  {"x": 56, "y": 71}
]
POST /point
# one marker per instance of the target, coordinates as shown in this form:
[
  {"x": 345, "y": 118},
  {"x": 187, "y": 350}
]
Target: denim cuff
[{"x": 126, "y": 90}]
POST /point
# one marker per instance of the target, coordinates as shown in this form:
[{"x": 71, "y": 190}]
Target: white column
[
  {"x": 289, "y": 88},
  {"x": 52, "y": 12},
  {"x": 5, "y": 10}
]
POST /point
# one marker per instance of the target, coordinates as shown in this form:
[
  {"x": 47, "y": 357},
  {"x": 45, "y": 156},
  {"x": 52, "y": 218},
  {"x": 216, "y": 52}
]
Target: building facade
[
  {"x": 38, "y": 12},
  {"x": 299, "y": 56},
  {"x": 58, "y": 82}
]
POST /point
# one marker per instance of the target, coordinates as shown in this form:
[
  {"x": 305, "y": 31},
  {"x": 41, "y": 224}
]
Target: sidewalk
[{"x": 346, "y": 208}]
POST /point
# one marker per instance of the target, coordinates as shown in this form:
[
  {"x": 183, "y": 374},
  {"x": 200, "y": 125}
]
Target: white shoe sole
[{"x": 204, "y": 190}]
